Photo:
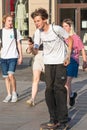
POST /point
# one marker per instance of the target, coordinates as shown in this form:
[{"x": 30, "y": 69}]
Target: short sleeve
[
  {"x": 19, "y": 37},
  {"x": 37, "y": 38}
]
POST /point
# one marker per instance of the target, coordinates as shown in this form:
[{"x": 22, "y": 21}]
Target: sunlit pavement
[{"x": 19, "y": 116}]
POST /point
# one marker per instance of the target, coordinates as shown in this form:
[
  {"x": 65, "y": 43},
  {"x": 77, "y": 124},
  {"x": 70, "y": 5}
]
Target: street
[{"x": 19, "y": 116}]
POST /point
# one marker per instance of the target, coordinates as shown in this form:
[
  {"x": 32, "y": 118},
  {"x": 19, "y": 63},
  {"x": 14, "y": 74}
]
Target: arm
[
  {"x": 20, "y": 58},
  {"x": 84, "y": 55},
  {"x": 69, "y": 49},
  {"x": 84, "y": 59},
  {"x": 19, "y": 47}
]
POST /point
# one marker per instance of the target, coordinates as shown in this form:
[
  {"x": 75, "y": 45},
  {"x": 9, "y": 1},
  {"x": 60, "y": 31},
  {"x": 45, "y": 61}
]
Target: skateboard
[
  {"x": 64, "y": 127},
  {"x": 45, "y": 127},
  {"x": 56, "y": 127}
]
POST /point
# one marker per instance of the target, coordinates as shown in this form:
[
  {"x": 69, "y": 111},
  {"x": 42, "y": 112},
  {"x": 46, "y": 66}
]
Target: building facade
[{"x": 57, "y": 9}]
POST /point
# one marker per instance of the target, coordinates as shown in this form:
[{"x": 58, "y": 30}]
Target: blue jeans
[
  {"x": 56, "y": 93},
  {"x": 8, "y": 66}
]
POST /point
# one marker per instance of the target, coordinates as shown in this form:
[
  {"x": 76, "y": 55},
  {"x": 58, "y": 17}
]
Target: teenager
[
  {"x": 11, "y": 54},
  {"x": 55, "y": 60}
]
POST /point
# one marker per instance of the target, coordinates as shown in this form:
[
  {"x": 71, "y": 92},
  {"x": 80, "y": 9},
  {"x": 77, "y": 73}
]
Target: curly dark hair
[{"x": 40, "y": 12}]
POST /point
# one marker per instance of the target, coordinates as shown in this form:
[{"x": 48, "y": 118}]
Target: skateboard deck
[
  {"x": 45, "y": 127},
  {"x": 65, "y": 126}
]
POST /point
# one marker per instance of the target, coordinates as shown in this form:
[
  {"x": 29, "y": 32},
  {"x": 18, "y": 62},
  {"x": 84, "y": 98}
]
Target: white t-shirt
[
  {"x": 9, "y": 49},
  {"x": 53, "y": 46}
]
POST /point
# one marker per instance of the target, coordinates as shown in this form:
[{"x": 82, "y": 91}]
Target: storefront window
[
  {"x": 19, "y": 10},
  {"x": 21, "y": 16}
]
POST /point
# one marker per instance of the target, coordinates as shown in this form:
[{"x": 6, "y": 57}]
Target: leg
[
  {"x": 13, "y": 87},
  {"x": 8, "y": 87},
  {"x": 49, "y": 92},
  {"x": 5, "y": 67},
  {"x": 61, "y": 93},
  {"x": 12, "y": 82},
  {"x": 68, "y": 87},
  {"x": 12, "y": 67},
  {"x": 36, "y": 79},
  {"x": 37, "y": 68},
  {"x": 71, "y": 96}
]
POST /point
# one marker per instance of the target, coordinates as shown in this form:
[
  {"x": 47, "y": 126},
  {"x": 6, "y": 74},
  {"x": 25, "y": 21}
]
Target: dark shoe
[
  {"x": 69, "y": 119},
  {"x": 72, "y": 99}
]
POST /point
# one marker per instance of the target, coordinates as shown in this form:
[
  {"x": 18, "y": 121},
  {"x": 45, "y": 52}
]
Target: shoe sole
[
  {"x": 6, "y": 101},
  {"x": 14, "y": 101}
]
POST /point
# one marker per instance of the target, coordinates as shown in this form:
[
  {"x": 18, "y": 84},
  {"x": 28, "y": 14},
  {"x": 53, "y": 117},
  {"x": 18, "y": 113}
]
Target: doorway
[{"x": 76, "y": 12}]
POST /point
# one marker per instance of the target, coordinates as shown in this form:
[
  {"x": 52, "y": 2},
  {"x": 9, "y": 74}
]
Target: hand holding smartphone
[{"x": 30, "y": 45}]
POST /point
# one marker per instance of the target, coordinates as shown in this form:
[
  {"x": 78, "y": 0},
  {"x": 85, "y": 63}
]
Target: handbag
[{"x": 42, "y": 76}]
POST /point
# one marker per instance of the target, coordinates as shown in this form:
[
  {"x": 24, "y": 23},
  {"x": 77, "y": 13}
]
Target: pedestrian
[
  {"x": 38, "y": 67},
  {"x": 72, "y": 68},
  {"x": 11, "y": 53},
  {"x": 55, "y": 62}
]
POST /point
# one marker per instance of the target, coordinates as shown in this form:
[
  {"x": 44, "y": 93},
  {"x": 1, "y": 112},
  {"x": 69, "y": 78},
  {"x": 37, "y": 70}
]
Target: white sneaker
[
  {"x": 30, "y": 102},
  {"x": 7, "y": 99},
  {"x": 14, "y": 97}
]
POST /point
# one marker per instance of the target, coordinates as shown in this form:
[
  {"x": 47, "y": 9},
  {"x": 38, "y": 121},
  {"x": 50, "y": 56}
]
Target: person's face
[
  {"x": 9, "y": 22},
  {"x": 39, "y": 22},
  {"x": 66, "y": 27},
  {"x": 20, "y": 1}
]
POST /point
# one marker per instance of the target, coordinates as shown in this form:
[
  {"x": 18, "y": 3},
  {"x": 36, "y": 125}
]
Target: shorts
[
  {"x": 38, "y": 63},
  {"x": 8, "y": 66},
  {"x": 72, "y": 68}
]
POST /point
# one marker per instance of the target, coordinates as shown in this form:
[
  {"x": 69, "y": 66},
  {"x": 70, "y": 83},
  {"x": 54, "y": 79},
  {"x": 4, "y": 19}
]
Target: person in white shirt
[
  {"x": 11, "y": 53},
  {"x": 55, "y": 60}
]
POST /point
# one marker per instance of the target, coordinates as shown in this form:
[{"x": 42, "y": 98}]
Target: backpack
[{"x": 15, "y": 36}]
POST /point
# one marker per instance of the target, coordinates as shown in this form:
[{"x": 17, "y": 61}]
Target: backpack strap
[
  {"x": 15, "y": 36},
  {"x": 0, "y": 38},
  {"x": 59, "y": 35}
]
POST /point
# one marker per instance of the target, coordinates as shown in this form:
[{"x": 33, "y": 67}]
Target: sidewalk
[{"x": 19, "y": 116}]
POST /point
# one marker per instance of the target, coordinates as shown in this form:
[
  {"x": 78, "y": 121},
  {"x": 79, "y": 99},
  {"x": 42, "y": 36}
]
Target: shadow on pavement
[{"x": 80, "y": 109}]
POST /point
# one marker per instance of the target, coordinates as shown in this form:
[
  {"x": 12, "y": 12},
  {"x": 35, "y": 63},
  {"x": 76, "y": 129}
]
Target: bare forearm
[
  {"x": 20, "y": 50},
  {"x": 84, "y": 55}
]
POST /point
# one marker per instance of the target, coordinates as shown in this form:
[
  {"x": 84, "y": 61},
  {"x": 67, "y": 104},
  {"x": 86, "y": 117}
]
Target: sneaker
[
  {"x": 72, "y": 99},
  {"x": 7, "y": 99},
  {"x": 14, "y": 97},
  {"x": 30, "y": 102}
]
